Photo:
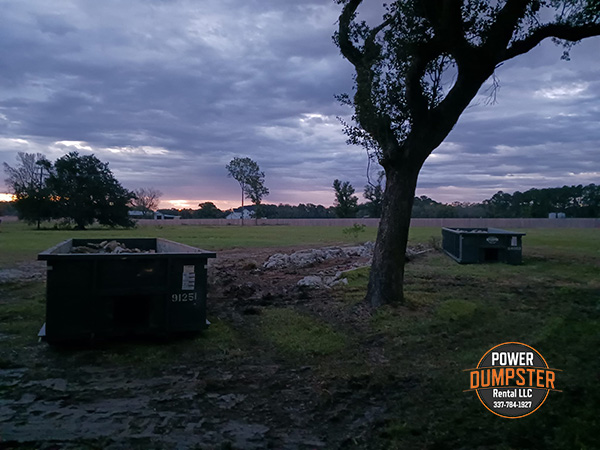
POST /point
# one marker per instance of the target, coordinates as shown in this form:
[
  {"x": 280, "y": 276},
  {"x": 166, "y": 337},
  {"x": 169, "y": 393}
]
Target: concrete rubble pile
[
  {"x": 312, "y": 257},
  {"x": 323, "y": 281},
  {"x": 114, "y": 247},
  {"x": 307, "y": 258}
]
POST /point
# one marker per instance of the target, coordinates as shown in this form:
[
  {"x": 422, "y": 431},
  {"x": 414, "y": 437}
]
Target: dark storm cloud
[{"x": 169, "y": 91}]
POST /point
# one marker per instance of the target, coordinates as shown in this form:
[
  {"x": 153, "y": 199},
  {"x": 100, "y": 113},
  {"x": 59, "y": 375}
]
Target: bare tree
[
  {"x": 30, "y": 172},
  {"x": 416, "y": 72},
  {"x": 27, "y": 181},
  {"x": 146, "y": 199}
]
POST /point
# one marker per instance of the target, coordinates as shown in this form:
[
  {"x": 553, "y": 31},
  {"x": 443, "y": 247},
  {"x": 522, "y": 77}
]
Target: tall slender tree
[
  {"x": 250, "y": 178},
  {"x": 416, "y": 72}
]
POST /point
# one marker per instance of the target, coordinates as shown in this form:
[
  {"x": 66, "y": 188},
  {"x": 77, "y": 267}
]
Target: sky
[{"x": 168, "y": 92}]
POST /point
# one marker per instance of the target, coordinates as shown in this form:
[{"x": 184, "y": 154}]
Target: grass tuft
[
  {"x": 298, "y": 335},
  {"x": 451, "y": 310}
]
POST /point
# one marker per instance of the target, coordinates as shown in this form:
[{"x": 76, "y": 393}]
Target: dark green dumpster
[
  {"x": 482, "y": 245},
  {"x": 158, "y": 290}
]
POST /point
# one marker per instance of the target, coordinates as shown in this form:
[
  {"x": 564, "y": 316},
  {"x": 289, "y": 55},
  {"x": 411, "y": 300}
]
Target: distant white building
[
  {"x": 238, "y": 213},
  {"x": 151, "y": 215},
  {"x": 161, "y": 216}
]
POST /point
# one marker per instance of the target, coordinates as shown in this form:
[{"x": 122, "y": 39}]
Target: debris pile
[
  {"x": 308, "y": 258},
  {"x": 318, "y": 281},
  {"x": 107, "y": 247},
  {"x": 312, "y": 257}
]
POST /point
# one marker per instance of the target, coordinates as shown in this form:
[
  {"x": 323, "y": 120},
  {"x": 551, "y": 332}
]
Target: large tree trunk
[{"x": 386, "y": 281}]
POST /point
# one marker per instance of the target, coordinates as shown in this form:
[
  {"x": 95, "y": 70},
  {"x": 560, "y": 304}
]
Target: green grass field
[
  {"x": 453, "y": 315},
  {"x": 20, "y": 242}
]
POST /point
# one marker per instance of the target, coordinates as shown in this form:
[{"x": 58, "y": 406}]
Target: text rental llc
[{"x": 516, "y": 371}]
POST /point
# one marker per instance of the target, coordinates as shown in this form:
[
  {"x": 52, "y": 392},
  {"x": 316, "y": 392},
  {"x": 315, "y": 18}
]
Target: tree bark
[{"x": 386, "y": 280}]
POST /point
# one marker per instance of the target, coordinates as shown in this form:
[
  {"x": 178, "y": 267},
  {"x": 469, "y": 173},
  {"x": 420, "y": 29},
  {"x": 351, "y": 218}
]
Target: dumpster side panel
[
  {"x": 514, "y": 250},
  {"x": 470, "y": 252},
  {"x": 69, "y": 300},
  {"x": 451, "y": 243},
  {"x": 134, "y": 275},
  {"x": 187, "y": 294}
]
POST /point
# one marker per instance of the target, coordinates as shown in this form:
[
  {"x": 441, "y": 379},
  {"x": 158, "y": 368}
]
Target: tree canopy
[
  {"x": 416, "y": 72},
  {"x": 86, "y": 190},
  {"x": 250, "y": 178}
]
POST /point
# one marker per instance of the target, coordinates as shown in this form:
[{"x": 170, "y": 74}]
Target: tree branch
[
  {"x": 377, "y": 124},
  {"x": 348, "y": 49},
  {"x": 446, "y": 18},
  {"x": 554, "y": 30},
  {"x": 502, "y": 30}
]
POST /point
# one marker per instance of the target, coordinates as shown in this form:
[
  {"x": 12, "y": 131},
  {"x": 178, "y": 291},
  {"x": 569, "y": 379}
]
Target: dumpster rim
[{"x": 195, "y": 252}]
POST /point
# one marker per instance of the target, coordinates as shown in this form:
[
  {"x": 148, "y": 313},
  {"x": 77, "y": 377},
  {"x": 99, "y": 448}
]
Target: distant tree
[
  {"x": 256, "y": 191},
  {"x": 86, "y": 190},
  {"x": 416, "y": 73},
  {"x": 590, "y": 201},
  {"x": 251, "y": 180},
  {"x": 374, "y": 193},
  {"x": 27, "y": 181},
  {"x": 346, "y": 204},
  {"x": 146, "y": 200},
  {"x": 208, "y": 210}
]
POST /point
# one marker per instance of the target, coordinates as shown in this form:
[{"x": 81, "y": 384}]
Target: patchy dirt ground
[{"x": 193, "y": 393}]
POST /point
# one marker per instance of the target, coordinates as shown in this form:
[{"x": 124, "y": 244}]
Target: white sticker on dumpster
[{"x": 188, "y": 279}]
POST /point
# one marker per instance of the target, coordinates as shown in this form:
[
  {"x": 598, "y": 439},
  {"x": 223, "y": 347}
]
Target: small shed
[{"x": 482, "y": 245}]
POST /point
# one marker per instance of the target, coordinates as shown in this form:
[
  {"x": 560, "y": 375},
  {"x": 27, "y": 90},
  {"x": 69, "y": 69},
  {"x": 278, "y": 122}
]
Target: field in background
[
  {"x": 403, "y": 363},
  {"x": 20, "y": 242}
]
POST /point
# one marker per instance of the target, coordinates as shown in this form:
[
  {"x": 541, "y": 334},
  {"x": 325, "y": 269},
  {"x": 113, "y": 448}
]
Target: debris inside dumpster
[{"x": 107, "y": 247}]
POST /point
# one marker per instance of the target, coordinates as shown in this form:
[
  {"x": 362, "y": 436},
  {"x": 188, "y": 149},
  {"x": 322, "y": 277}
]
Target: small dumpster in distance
[
  {"x": 482, "y": 245},
  {"x": 145, "y": 286}
]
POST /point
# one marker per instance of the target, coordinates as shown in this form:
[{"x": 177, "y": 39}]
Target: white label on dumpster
[{"x": 188, "y": 279}]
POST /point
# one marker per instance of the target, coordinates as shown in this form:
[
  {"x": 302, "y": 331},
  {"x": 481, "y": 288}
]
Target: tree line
[
  {"x": 82, "y": 189},
  {"x": 574, "y": 201}
]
